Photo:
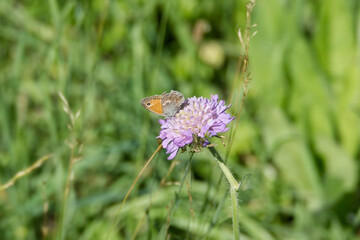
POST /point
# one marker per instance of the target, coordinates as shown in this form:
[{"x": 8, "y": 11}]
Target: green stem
[
  {"x": 66, "y": 195},
  {"x": 234, "y": 187},
  {"x": 235, "y": 209}
]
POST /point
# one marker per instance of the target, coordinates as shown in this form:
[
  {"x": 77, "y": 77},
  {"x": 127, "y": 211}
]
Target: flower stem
[
  {"x": 235, "y": 209},
  {"x": 234, "y": 187}
]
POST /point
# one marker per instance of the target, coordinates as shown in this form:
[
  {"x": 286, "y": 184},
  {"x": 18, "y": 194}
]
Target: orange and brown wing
[{"x": 153, "y": 104}]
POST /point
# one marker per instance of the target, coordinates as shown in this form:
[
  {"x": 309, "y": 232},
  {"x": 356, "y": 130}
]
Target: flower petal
[{"x": 173, "y": 154}]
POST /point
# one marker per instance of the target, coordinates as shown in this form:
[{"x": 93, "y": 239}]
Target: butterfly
[{"x": 166, "y": 104}]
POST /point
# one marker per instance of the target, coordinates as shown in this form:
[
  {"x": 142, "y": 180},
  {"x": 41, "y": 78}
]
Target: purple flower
[{"x": 200, "y": 119}]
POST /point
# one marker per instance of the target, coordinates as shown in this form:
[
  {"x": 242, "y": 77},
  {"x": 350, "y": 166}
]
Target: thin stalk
[
  {"x": 24, "y": 172},
  {"x": 74, "y": 145},
  {"x": 234, "y": 187},
  {"x": 115, "y": 220},
  {"x": 177, "y": 194},
  {"x": 66, "y": 194}
]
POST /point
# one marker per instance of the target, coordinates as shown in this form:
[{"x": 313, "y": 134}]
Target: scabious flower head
[{"x": 200, "y": 119}]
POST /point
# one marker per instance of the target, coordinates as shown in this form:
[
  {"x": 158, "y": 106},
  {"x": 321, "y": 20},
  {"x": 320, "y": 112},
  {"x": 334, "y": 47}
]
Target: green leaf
[
  {"x": 291, "y": 156},
  {"x": 341, "y": 171}
]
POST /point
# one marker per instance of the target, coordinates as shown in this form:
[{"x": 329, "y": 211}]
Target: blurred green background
[{"x": 296, "y": 147}]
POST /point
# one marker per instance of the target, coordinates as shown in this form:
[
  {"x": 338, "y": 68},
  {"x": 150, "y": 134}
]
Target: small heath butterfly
[{"x": 166, "y": 104}]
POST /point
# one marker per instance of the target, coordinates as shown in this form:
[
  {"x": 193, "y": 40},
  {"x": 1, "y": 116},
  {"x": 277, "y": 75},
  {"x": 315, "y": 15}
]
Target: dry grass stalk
[{"x": 24, "y": 172}]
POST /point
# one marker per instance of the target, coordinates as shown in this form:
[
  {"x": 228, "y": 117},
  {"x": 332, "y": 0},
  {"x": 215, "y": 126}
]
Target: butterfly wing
[
  {"x": 153, "y": 104},
  {"x": 171, "y": 103}
]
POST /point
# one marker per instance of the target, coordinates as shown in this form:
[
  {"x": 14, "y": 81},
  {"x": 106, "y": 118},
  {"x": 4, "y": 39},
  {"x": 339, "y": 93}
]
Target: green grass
[{"x": 296, "y": 147}]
